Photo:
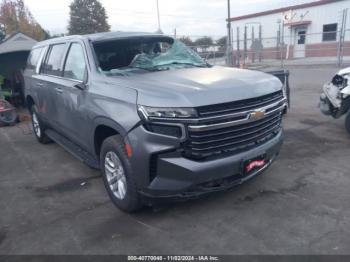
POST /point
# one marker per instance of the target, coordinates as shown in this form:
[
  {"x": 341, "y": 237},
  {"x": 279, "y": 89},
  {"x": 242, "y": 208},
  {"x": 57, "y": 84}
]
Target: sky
[{"x": 189, "y": 17}]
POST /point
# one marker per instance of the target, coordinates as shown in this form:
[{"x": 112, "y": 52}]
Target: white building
[{"x": 309, "y": 30}]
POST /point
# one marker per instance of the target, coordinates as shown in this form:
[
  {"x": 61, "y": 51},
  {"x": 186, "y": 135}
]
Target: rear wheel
[
  {"x": 38, "y": 127},
  {"x": 347, "y": 122},
  {"x": 117, "y": 175}
]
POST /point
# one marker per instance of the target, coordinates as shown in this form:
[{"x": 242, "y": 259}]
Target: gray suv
[{"x": 156, "y": 119}]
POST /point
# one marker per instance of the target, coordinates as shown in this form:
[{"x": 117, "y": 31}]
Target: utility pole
[
  {"x": 342, "y": 38},
  {"x": 245, "y": 49},
  {"x": 282, "y": 44},
  {"x": 229, "y": 36},
  {"x": 238, "y": 49},
  {"x": 159, "y": 30},
  {"x": 253, "y": 49},
  {"x": 261, "y": 43}
]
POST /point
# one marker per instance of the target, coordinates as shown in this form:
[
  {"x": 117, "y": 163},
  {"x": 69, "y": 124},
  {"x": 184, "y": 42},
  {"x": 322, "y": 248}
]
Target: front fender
[
  {"x": 98, "y": 121},
  {"x": 104, "y": 121}
]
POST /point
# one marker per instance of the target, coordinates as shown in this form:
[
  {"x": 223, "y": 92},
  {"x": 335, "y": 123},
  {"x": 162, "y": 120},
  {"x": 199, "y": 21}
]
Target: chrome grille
[
  {"x": 228, "y": 128},
  {"x": 243, "y": 105}
]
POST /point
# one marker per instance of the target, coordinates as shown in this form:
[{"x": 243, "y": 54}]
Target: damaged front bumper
[
  {"x": 329, "y": 99},
  {"x": 173, "y": 177},
  {"x": 335, "y": 99}
]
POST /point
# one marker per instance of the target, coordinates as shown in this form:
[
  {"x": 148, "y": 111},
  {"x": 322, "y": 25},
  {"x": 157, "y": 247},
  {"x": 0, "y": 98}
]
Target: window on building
[
  {"x": 329, "y": 32},
  {"x": 301, "y": 37},
  {"x": 75, "y": 67},
  {"x": 53, "y": 63}
]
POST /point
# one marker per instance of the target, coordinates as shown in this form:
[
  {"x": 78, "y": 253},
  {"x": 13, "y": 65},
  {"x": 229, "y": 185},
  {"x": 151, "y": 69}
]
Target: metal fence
[
  {"x": 214, "y": 54},
  {"x": 295, "y": 47}
]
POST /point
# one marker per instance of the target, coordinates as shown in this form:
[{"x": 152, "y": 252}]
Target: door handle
[
  {"x": 59, "y": 90},
  {"x": 40, "y": 84}
]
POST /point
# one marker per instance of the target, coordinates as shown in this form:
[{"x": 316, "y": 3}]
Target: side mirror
[{"x": 80, "y": 86}]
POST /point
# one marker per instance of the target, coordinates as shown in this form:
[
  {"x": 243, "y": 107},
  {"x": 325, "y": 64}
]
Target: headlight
[
  {"x": 339, "y": 81},
  {"x": 166, "y": 112}
]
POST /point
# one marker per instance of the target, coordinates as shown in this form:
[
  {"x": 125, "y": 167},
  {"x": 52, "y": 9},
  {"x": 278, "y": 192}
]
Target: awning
[{"x": 299, "y": 23}]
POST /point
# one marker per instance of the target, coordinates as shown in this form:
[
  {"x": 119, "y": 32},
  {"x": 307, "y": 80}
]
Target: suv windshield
[{"x": 145, "y": 54}]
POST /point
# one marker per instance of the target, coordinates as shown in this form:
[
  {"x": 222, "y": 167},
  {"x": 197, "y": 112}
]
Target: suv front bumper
[{"x": 163, "y": 173}]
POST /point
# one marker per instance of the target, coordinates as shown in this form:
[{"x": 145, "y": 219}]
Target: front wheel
[
  {"x": 347, "y": 122},
  {"x": 38, "y": 127},
  {"x": 117, "y": 175}
]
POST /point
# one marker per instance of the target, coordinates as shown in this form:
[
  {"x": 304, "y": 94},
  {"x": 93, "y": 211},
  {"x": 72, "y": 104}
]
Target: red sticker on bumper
[{"x": 254, "y": 164}]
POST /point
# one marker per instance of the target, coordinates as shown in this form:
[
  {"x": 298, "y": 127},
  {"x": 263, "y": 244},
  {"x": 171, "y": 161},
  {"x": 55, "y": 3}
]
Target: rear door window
[
  {"x": 75, "y": 66},
  {"x": 53, "y": 62},
  {"x": 33, "y": 58}
]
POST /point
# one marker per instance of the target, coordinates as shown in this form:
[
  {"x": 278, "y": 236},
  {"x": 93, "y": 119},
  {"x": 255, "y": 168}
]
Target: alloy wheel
[
  {"x": 115, "y": 175},
  {"x": 36, "y": 125}
]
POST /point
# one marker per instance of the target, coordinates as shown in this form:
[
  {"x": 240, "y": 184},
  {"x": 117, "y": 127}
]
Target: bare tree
[{"x": 186, "y": 40}]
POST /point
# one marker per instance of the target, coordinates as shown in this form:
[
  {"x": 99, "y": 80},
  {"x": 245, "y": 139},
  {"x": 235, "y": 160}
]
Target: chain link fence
[{"x": 296, "y": 47}]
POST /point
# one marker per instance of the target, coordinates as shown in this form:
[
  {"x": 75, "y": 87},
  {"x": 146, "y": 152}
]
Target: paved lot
[{"x": 51, "y": 203}]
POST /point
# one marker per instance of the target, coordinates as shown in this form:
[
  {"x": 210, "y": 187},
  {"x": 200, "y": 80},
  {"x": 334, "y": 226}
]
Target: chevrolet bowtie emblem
[{"x": 258, "y": 114}]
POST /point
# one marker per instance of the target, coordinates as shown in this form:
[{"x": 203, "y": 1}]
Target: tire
[
  {"x": 38, "y": 127},
  {"x": 120, "y": 184},
  {"x": 9, "y": 117},
  {"x": 347, "y": 122}
]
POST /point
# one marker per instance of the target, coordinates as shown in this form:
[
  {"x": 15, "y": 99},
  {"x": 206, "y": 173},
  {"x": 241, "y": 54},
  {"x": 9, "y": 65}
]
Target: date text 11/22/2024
[{"x": 173, "y": 258}]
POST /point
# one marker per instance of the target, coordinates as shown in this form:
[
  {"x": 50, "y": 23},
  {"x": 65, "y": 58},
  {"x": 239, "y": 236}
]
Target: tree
[
  {"x": 204, "y": 42},
  {"x": 222, "y": 41},
  {"x": 55, "y": 36},
  {"x": 186, "y": 40},
  {"x": 87, "y": 17},
  {"x": 16, "y": 17}
]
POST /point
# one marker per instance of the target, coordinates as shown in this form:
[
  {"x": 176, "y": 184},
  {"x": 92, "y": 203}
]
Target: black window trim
[
  {"x": 39, "y": 59},
  {"x": 85, "y": 59},
  {"x": 329, "y": 32},
  {"x": 68, "y": 44},
  {"x": 47, "y": 55},
  {"x": 303, "y": 36}
]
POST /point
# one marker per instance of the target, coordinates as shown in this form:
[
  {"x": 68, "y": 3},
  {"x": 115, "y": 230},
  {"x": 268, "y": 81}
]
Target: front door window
[{"x": 75, "y": 67}]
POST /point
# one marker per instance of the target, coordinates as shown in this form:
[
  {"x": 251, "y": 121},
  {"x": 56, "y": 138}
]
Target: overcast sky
[{"x": 189, "y": 17}]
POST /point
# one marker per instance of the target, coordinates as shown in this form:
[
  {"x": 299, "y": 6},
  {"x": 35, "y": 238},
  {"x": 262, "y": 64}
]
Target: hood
[
  {"x": 193, "y": 87},
  {"x": 344, "y": 71}
]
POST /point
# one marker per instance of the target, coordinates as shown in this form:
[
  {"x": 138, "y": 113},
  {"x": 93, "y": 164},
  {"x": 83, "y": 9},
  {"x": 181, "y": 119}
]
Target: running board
[{"x": 72, "y": 148}]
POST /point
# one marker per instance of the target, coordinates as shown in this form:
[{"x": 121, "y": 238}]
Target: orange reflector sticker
[{"x": 128, "y": 150}]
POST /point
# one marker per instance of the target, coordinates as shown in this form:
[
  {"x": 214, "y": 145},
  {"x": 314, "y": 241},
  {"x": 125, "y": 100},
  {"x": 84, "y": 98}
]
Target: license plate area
[{"x": 252, "y": 165}]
